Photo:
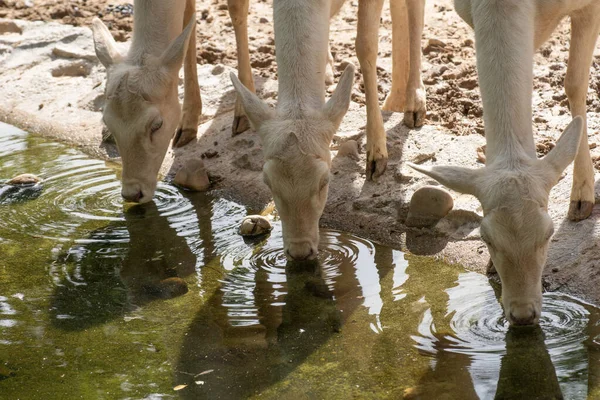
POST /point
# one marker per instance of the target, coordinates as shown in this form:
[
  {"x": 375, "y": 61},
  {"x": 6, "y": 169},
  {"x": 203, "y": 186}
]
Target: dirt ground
[
  {"x": 452, "y": 135},
  {"x": 449, "y": 71}
]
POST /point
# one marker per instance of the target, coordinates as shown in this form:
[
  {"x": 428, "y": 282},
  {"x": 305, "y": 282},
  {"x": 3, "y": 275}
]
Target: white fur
[
  {"x": 297, "y": 135},
  {"x": 142, "y": 108},
  {"x": 514, "y": 185}
]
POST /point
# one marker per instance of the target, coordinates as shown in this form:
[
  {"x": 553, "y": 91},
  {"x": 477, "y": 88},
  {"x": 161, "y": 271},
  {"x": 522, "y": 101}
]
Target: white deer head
[
  {"x": 297, "y": 161},
  {"x": 516, "y": 226},
  {"x": 142, "y": 107}
]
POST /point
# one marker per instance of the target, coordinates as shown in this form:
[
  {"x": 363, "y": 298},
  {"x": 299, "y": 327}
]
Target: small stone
[
  {"x": 193, "y": 176},
  {"x": 422, "y": 157},
  {"x": 435, "y": 42},
  {"x": 9, "y": 27},
  {"x": 24, "y": 179},
  {"x": 469, "y": 84},
  {"x": 349, "y": 149},
  {"x": 70, "y": 51},
  {"x": 263, "y": 20},
  {"x": 255, "y": 225},
  {"x": 77, "y": 68},
  {"x": 218, "y": 69},
  {"x": 428, "y": 205}
]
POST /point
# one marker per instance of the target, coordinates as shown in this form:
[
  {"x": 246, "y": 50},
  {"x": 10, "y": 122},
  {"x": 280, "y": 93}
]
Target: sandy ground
[{"x": 52, "y": 84}]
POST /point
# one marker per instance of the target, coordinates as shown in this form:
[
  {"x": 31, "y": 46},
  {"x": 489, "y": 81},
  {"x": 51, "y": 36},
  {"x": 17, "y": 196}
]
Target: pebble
[
  {"x": 428, "y": 205},
  {"x": 255, "y": 225},
  {"x": 192, "y": 176},
  {"x": 24, "y": 179}
]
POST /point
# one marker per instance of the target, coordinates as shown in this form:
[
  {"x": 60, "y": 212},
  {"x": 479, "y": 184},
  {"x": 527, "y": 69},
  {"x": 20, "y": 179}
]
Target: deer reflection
[
  {"x": 117, "y": 269},
  {"x": 244, "y": 357},
  {"x": 526, "y": 371}
]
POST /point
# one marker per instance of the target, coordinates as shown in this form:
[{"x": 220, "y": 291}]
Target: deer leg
[
  {"x": 585, "y": 27},
  {"x": 192, "y": 103},
  {"x": 396, "y": 98},
  {"x": 367, "y": 43},
  {"x": 238, "y": 11},
  {"x": 415, "y": 109},
  {"x": 335, "y": 8}
]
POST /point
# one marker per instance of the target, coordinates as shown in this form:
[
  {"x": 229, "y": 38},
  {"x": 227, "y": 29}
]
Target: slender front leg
[
  {"x": 415, "y": 109},
  {"x": 585, "y": 26},
  {"x": 238, "y": 11},
  {"x": 192, "y": 103},
  {"x": 396, "y": 98},
  {"x": 335, "y": 8},
  {"x": 367, "y": 43}
]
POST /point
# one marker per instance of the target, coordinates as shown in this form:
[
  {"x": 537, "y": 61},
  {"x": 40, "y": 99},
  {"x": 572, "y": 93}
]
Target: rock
[
  {"x": 218, "y": 69},
  {"x": 68, "y": 51},
  {"x": 435, "y": 42},
  {"x": 192, "y": 176},
  {"x": 24, "y": 179},
  {"x": 422, "y": 157},
  {"x": 255, "y": 225},
  {"x": 9, "y": 27},
  {"x": 469, "y": 84},
  {"x": 76, "y": 68},
  {"x": 428, "y": 205},
  {"x": 349, "y": 149}
]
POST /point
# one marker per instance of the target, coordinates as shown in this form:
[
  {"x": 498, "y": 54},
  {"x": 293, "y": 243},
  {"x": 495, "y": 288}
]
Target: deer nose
[
  {"x": 301, "y": 251},
  {"x": 523, "y": 314},
  {"x": 133, "y": 197}
]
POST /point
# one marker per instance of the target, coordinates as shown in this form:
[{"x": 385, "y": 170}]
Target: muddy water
[{"x": 165, "y": 300}]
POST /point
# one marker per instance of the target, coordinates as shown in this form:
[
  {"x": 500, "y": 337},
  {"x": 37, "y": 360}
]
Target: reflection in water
[
  {"x": 527, "y": 371},
  {"x": 115, "y": 270},
  {"x": 98, "y": 302}
]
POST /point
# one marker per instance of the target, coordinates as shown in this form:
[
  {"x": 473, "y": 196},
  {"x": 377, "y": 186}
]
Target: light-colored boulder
[{"x": 428, "y": 205}]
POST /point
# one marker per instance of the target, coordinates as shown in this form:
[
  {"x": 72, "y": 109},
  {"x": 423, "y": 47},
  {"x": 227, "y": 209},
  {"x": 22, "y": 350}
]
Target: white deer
[
  {"x": 514, "y": 186},
  {"x": 407, "y": 93},
  {"x": 297, "y": 135},
  {"x": 142, "y": 108}
]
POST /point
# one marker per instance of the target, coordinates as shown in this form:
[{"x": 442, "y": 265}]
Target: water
[{"x": 102, "y": 301}]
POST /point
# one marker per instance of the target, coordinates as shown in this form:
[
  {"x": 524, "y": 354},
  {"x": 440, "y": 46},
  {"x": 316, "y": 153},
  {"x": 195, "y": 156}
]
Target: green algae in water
[{"x": 98, "y": 301}]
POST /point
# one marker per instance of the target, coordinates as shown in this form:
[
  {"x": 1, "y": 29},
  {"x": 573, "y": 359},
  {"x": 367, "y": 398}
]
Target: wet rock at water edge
[
  {"x": 20, "y": 188},
  {"x": 193, "y": 176},
  {"x": 24, "y": 179},
  {"x": 255, "y": 225},
  {"x": 428, "y": 205}
]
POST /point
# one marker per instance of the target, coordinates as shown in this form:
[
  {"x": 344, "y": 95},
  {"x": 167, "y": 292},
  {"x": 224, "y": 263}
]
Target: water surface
[{"x": 98, "y": 300}]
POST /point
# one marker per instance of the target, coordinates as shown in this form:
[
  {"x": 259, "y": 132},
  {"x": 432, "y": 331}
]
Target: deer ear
[
  {"x": 104, "y": 44},
  {"x": 173, "y": 56},
  {"x": 257, "y": 110},
  {"x": 461, "y": 179},
  {"x": 337, "y": 106},
  {"x": 565, "y": 150}
]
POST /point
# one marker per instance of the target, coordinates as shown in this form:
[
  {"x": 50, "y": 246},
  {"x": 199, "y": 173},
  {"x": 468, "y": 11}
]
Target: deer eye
[{"x": 156, "y": 126}]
